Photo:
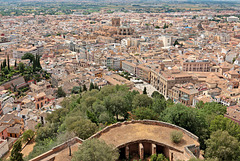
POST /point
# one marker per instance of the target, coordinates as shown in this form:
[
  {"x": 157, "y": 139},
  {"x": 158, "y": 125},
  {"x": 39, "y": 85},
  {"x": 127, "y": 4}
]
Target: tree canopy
[
  {"x": 16, "y": 154},
  {"x": 29, "y": 56},
  {"x": 60, "y": 92},
  {"x": 86, "y": 112},
  {"x": 95, "y": 150},
  {"x": 223, "y": 146}
]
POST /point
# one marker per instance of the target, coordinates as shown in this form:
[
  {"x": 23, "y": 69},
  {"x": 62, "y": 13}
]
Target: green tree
[
  {"x": 116, "y": 104},
  {"x": 38, "y": 64},
  {"x": 98, "y": 108},
  {"x": 176, "y": 43},
  {"x": 49, "y": 131},
  {"x": 84, "y": 88},
  {"x": 157, "y": 95},
  {"x": 223, "y": 146},
  {"x": 29, "y": 56},
  {"x": 57, "y": 116},
  {"x": 106, "y": 118},
  {"x": 4, "y": 63},
  {"x": 142, "y": 113},
  {"x": 141, "y": 100},
  {"x": 145, "y": 90},
  {"x": 91, "y": 86},
  {"x": 21, "y": 67},
  {"x": 212, "y": 109},
  {"x": 16, "y": 154},
  {"x": 60, "y": 92},
  {"x": 234, "y": 59},
  {"x": 95, "y": 150},
  {"x": 80, "y": 89},
  {"x": 76, "y": 89},
  {"x": 96, "y": 86},
  {"x": 159, "y": 105},
  {"x": 200, "y": 105},
  {"x": 8, "y": 63},
  {"x": 159, "y": 157},
  {"x": 34, "y": 65},
  {"x": 187, "y": 118},
  {"x": 15, "y": 65},
  {"x": 225, "y": 124},
  {"x": 27, "y": 135},
  {"x": 165, "y": 26},
  {"x": 83, "y": 128},
  {"x": 106, "y": 91}
]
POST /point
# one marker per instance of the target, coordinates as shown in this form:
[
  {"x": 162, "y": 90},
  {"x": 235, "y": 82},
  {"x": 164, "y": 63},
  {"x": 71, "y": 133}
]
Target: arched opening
[
  {"x": 122, "y": 153},
  {"x": 159, "y": 149},
  {"x": 147, "y": 149},
  {"x": 133, "y": 150}
]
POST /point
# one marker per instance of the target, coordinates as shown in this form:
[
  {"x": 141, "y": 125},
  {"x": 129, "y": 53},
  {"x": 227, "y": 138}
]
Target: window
[{"x": 37, "y": 106}]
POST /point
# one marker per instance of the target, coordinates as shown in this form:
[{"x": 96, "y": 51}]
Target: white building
[
  {"x": 3, "y": 147},
  {"x": 232, "y": 19},
  {"x": 167, "y": 41}
]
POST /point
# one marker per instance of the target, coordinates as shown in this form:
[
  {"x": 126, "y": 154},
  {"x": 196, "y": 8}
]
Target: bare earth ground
[{"x": 28, "y": 148}]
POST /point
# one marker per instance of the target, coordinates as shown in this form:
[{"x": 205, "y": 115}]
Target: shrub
[
  {"x": 159, "y": 157},
  {"x": 176, "y": 136},
  {"x": 154, "y": 157}
]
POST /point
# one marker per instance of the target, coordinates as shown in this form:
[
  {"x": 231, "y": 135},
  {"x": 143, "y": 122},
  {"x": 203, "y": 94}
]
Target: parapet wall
[
  {"x": 57, "y": 149},
  {"x": 146, "y": 122}
]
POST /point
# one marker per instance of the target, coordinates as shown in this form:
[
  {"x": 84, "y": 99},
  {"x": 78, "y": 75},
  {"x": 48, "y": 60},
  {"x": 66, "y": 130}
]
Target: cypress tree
[
  {"x": 80, "y": 89},
  {"x": 16, "y": 154},
  {"x": 8, "y": 63},
  {"x": 34, "y": 64},
  {"x": 145, "y": 90},
  {"x": 96, "y": 86},
  {"x": 84, "y": 88},
  {"x": 15, "y": 65},
  {"x": 165, "y": 26},
  {"x": 91, "y": 86},
  {"x": 38, "y": 62},
  {"x": 4, "y": 63},
  {"x": 176, "y": 43}
]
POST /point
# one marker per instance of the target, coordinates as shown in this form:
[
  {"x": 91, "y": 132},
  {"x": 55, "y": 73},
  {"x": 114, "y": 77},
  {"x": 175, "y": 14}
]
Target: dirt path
[{"x": 28, "y": 148}]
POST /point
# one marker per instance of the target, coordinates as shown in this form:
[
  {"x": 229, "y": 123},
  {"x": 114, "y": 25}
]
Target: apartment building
[
  {"x": 143, "y": 73},
  {"x": 196, "y": 65},
  {"x": 165, "y": 80},
  {"x": 129, "y": 67}
]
